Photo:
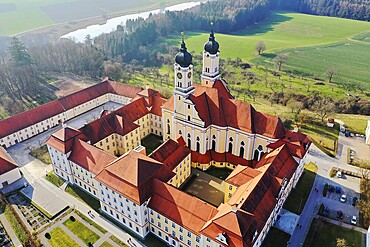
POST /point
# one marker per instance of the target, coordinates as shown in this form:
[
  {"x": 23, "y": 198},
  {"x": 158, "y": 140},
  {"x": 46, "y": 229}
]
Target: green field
[
  {"x": 18, "y": 16},
  {"x": 314, "y": 43},
  {"x": 61, "y": 239}
]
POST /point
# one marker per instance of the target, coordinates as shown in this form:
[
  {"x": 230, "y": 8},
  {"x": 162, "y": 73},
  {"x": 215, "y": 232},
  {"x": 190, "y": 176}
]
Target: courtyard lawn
[
  {"x": 299, "y": 195},
  {"x": 326, "y": 234},
  {"x": 117, "y": 241},
  {"x": 276, "y": 237},
  {"x": 54, "y": 179},
  {"x": 42, "y": 154},
  {"x": 81, "y": 231},
  {"x": 61, "y": 239},
  {"x": 106, "y": 244},
  {"x": 355, "y": 123},
  {"x": 91, "y": 222},
  {"x": 83, "y": 196},
  {"x": 151, "y": 142}
]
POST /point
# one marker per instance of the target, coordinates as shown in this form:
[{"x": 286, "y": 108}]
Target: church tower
[
  {"x": 211, "y": 61},
  {"x": 183, "y": 69}
]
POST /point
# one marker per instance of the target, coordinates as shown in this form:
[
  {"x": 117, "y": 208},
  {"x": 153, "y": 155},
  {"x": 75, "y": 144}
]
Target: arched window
[
  {"x": 189, "y": 141},
  {"x": 230, "y": 149},
  {"x": 168, "y": 129},
  {"x": 180, "y": 132},
  {"x": 213, "y": 142},
  {"x": 189, "y": 118},
  {"x": 198, "y": 147},
  {"x": 258, "y": 153},
  {"x": 207, "y": 144},
  {"x": 241, "y": 151}
]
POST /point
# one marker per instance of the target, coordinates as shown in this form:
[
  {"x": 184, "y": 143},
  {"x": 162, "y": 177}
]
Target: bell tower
[
  {"x": 183, "y": 69},
  {"x": 211, "y": 61}
]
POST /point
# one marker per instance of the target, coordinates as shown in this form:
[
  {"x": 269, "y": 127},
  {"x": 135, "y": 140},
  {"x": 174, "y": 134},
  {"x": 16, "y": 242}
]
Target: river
[{"x": 111, "y": 24}]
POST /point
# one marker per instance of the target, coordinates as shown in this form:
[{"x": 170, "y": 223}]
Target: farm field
[
  {"x": 17, "y": 16},
  {"x": 314, "y": 43}
]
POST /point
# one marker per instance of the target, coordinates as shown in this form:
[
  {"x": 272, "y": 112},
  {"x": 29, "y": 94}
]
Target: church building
[{"x": 202, "y": 126}]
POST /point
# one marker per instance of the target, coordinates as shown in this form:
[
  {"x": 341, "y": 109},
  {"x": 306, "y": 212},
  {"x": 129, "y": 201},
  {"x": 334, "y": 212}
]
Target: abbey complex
[{"x": 203, "y": 126}]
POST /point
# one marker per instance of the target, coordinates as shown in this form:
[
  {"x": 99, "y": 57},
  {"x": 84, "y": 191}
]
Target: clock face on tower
[
  {"x": 179, "y": 75},
  {"x": 189, "y": 75}
]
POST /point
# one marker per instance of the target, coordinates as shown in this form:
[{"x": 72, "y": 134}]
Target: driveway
[{"x": 362, "y": 151}]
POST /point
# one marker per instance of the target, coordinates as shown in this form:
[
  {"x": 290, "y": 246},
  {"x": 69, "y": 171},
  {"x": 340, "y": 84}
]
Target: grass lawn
[
  {"x": 42, "y": 154},
  {"x": 355, "y": 123},
  {"x": 106, "y": 244},
  {"x": 276, "y": 237},
  {"x": 91, "y": 222},
  {"x": 221, "y": 173},
  {"x": 54, "y": 179},
  {"x": 117, "y": 241},
  {"x": 83, "y": 196},
  {"x": 81, "y": 231},
  {"x": 325, "y": 234},
  {"x": 61, "y": 239},
  {"x": 299, "y": 195},
  {"x": 151, "y": 142},
  {"x": 17, "y": 227}
]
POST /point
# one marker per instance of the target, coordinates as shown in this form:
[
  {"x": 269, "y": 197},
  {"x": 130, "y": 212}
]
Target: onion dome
[
  {"x": 183, "y": 58},
  {"x": 212, "y": 45}
]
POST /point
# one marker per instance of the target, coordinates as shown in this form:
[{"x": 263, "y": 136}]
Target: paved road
[{"x": 350, "y": 186}]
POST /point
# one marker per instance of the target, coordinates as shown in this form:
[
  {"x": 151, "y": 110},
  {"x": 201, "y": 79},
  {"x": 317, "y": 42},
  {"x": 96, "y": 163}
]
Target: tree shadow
[{"x": 266, "y": 25}]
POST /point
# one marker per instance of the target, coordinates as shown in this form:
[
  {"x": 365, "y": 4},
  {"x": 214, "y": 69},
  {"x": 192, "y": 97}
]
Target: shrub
[
  {"x": 72, "y": 218},
  {"x": 47, "y": 235}
]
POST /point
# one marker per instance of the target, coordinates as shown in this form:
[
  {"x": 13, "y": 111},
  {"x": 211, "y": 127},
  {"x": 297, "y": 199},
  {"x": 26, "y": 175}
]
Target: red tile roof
[
  {"x": 48, "y": 110},
  {"x": 216, "y": 106},
  {"x": 30, "y": 117},
  {"x": 278, "y": 163},
  {"x": 62, "y": 140},
  {"x": 131, "y": 175},
  {"x": 106, "y": 126},
  {"x": 89, "y": 157},
  {"x": 297, "y": 142},
  {"x": 235, "y": 224},
  {"x": 180, "y": 207},
  {"x": 241, "y": 174},
  {"x": 153, "y": 100},
  {"x": 133, "y": 111},
  {"x": 7, "y": 163}
]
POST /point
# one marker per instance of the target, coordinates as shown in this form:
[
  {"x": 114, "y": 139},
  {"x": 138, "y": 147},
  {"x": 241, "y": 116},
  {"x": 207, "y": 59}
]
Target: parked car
[
  {"x": 339, "y": 174},
  {"x": 338, "y": 189},
  {"x": 340, "y": 214},
  {"x": 354, "y": 220},
  {"x": 331, "y": 188},
  {"x": 343, "y": 198},
  {"x": 354, "y": 200}
]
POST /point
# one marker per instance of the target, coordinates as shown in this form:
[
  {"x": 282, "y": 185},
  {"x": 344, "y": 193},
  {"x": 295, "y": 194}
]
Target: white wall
[{"x": 10, "y": 177}]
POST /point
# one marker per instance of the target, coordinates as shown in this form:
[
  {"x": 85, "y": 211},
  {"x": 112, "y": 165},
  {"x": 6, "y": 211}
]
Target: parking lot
[{"x": 346, "y": 185}]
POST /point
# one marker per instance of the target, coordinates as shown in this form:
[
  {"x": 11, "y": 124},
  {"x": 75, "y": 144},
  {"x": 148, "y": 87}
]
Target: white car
[
  {"x": 354, "y": 220},
  {"x": 343, "y": 198},
  {"x": 339, "y": 174}
]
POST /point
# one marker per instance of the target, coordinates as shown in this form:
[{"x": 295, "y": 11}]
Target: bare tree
[
  {"x": 280, "y": 60},
  {"x": 330, "y": 72},
  {"x": 260, "y": 47},
  {"x": 323, "y": 107}
]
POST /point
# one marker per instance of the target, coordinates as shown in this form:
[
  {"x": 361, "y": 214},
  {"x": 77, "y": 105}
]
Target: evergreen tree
[{"x": 19, "y": 53}]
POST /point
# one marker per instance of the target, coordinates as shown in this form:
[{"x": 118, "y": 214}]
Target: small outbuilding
[{"x": 9, "y": 171}]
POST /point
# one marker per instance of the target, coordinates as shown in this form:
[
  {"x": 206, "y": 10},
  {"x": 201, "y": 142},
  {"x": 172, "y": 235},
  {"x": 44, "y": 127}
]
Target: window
[
  {"x": 189, "y": 242},
  {"x": 188, "y": 106},
  {"x": 189, "y": 235},
  {"x": 213, "y": 142},
  {"x": 258, "y": 153},
  {"x": 189, "y": 141},
  {"x": 198, "y": 147},
  {"x": 188, "y": 117}
]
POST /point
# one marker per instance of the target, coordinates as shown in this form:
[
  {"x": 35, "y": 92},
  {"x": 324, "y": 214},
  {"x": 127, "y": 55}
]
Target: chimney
[
  {"x": 295, "y": 128},
  {"x": 147, "y": 86}
]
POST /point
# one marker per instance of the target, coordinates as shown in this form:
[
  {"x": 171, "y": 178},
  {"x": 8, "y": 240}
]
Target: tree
[
  {"x": 330, "y": 72},
  {"x": 323, "y": 107},
  {"x": 294, "y": 105},
  {"x": 260, "y": 47},
  {"x": 280, "y": 59},
  {"x": 19, "y": 53},
  {"x": 341, "y": 242}
]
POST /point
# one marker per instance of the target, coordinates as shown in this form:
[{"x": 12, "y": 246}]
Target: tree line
[{"x": 350, "y": 9}]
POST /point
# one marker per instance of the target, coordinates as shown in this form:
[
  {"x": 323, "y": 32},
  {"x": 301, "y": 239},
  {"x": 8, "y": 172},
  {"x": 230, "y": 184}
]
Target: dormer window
[{"x": 222, "y": 237}]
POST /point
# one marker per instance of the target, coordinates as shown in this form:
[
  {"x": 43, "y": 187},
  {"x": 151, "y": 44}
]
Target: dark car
[
  {"x": 354, "y": 200},
  {"x": 340, "y": 214},
  {"x": 331, "y": 188}
]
